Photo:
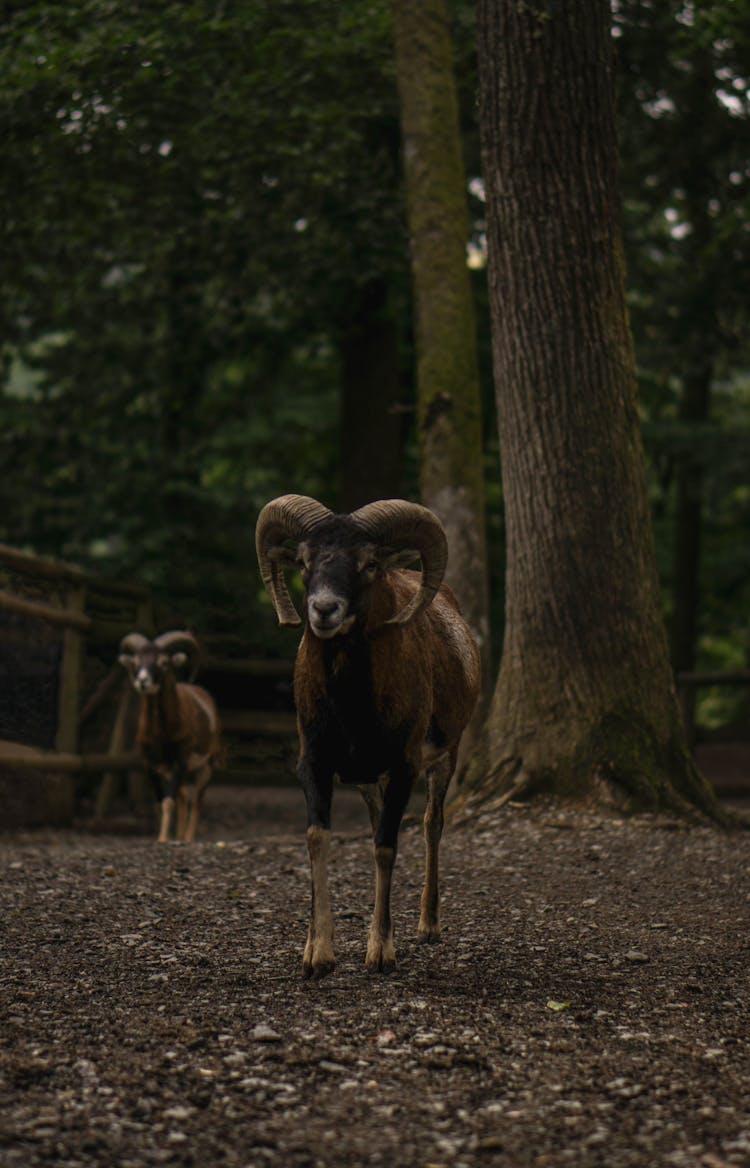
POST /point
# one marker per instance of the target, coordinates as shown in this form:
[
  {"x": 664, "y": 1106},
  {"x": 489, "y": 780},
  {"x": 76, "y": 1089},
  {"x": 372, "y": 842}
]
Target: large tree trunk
[
  {"x": 448, "y": 397},
  {"x": 585, "y": 701}
]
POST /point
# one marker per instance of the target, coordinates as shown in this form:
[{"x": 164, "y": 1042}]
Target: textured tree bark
[
  {"x": 585, "y": 700},
  {"x": 448, "y": 397}
]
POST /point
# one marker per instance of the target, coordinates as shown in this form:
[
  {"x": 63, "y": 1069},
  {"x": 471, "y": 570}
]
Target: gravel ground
[{"x": 588, "y": 1005}]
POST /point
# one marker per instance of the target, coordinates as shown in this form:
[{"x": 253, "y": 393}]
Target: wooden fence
[
  {"x": 722, "y": 753},
  {"x": 67, "y": 713},
  {"x": 55, "y": 622}
]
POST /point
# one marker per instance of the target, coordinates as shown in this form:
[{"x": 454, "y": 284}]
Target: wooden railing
[
  {"x": 87, "y": 610},
  {"x": 688, "y": 683}
]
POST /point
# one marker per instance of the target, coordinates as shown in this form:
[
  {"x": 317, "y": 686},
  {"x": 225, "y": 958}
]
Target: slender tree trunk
[
  {"x": 694, "y": 409},
  {"x": 686, "y": 556},
  {"x": 699, "y": 354},
  {"x": 449, "y": 406},
  {"x": 585, "y": 700},
  {"x": 371, "y": 421},
  {"x": 189, "y": 357}
]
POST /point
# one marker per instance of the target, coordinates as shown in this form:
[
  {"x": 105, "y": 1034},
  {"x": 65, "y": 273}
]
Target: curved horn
[
  {"x": 398, "y": 524},
  {"x": 133, "y": 643},
  {"x": 179, "y": 641},
  {"x": 290, "y": 517}
]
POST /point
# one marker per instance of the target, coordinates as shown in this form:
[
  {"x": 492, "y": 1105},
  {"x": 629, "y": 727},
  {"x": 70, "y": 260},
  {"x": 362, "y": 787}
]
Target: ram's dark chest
[
  {"x": 162, "y": 753},
  {"x": 160, "y": 737},
  {"x": 352, "y": 724}
]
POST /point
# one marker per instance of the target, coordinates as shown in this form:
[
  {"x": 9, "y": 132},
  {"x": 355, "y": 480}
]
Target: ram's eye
[{"x": 371, "y": 567}]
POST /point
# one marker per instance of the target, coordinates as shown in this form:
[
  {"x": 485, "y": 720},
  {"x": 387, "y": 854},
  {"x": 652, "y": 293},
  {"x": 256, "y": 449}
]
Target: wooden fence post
[
  {"x": 61, "y": 797},
  {"x": 106, "y": 793}
]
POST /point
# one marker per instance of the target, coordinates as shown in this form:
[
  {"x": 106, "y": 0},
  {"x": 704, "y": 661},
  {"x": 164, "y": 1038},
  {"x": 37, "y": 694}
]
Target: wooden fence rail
[{"x": 20, "y": 757}]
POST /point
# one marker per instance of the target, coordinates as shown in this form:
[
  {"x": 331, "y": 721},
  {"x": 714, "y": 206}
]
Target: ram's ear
[
  {"x": 397, "y": 559},
  {"x": 286, "y": 557}
]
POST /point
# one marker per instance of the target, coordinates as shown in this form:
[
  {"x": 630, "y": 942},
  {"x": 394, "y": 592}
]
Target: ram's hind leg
[
  {"x": 438, "y": 778},
  {"x": 165, "y": 823},
  {"x": 158, "y": 775},
  {"x": 200, "y": 779},
  {"x": 381, "y": 952},
  {"x": 372, "y": 793},
  {"x": 183, "y": 811}
]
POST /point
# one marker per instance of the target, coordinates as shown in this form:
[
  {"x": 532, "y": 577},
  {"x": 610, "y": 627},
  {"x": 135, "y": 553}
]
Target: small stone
[
  {"x": 178, "y": 1112},
  {"x": 263, "y": 1033},
  {"x": 426, "y": 1039},
  {"x": 636, "y": 956}
]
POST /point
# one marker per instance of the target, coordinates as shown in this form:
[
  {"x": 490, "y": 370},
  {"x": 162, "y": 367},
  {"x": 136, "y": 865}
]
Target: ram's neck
[{"x": 160, "y": 713}]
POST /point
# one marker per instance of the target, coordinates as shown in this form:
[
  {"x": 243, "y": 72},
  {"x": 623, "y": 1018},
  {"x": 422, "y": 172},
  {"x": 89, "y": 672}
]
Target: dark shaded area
[{"x": 29, "y": 671}]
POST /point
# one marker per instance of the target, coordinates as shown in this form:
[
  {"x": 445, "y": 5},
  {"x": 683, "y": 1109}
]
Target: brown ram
[
  {"x": 178, "y": 726},
  {"x": 385, "y": 681}
]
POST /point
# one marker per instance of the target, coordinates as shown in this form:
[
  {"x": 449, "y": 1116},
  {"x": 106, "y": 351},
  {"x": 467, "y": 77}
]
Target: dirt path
[{"x": 588, "y": 1006}]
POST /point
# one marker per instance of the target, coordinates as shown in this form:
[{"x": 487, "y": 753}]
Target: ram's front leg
[
  {"x": 201, "y": 778},
  {"x": 438, "y": 779},
  {"x": 183, "y": 810},
  {"x": 161, "y": 783},
  {"x": 319, "y": 958},
  {"x": 381, "y": 952}
]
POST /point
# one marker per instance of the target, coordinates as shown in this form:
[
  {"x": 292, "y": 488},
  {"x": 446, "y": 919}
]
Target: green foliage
[
  {"x": 192, "y": 193},
  {"x": 685, "y": 141}
]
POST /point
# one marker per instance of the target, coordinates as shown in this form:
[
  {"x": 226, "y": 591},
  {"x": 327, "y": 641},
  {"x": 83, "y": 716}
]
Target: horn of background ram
[
  {"x": 132, "y": 644},
  {"x": 397, "y": 524},
  {"x": 288, "y": 518},
  {"x": 179, "y": 641}
]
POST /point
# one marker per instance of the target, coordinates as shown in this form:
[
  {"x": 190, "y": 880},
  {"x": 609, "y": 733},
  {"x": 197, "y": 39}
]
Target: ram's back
[
  {"x": 198, "y": 713},
  {"x": 430, "y": 666}
]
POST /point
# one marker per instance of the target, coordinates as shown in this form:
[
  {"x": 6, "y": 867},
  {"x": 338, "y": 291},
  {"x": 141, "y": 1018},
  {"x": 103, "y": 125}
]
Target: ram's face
[
  {"x": 148, "y": 668},
  {"x": 337, "y": 580}
]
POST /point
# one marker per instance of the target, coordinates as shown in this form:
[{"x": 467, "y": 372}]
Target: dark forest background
[{"x": 206, "y": 278}]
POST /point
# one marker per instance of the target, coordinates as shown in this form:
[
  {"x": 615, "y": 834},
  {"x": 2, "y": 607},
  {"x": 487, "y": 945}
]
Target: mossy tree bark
[
  {"x": 448, "y": 397},
  {"x": 585, "y": 700}
]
